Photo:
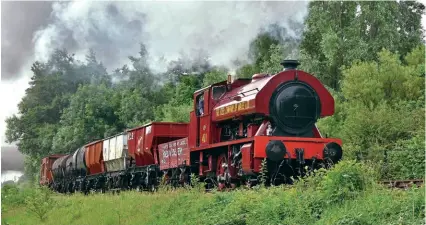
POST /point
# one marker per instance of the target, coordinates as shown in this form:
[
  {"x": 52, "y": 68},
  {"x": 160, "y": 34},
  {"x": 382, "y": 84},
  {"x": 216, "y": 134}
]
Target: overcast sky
[{"x": 30, "y": 30}]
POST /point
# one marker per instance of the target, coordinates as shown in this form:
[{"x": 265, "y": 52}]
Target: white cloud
[{"x": 11, "y": 93}]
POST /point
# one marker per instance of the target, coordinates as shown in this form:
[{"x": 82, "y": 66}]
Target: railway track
[
  {"x": 398, "y": 184},
  {"x": 403, "y": 184}
]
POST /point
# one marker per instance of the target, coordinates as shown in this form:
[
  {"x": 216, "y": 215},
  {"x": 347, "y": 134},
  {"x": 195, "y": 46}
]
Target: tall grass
[{"x": 346, "y": 194}]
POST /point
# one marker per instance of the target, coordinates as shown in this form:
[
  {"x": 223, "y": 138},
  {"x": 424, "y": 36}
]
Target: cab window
[
  {"x": 218, "y": 92},
  {"x": 200, "y": 104}
]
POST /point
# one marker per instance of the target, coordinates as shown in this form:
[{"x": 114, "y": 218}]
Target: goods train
[{"x": 237, "y": 130}]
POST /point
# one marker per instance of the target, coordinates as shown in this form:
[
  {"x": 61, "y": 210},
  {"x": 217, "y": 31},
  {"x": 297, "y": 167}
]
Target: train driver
[{"x": 201, "y": 105}]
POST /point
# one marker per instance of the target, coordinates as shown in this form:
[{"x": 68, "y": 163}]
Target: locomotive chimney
[
  {"x": 290, "y": 64},
  {"x": 229, "y": 82}
]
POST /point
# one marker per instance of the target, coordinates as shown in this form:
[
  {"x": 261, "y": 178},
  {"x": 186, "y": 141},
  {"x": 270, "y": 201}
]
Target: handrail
[{"x": 243, "y": 93}]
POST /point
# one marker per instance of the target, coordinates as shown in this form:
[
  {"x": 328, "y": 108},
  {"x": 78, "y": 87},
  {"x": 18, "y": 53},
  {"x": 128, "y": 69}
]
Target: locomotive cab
[
  {"x": 204, "y": 99},
  {"x": 203, "y": 131}
]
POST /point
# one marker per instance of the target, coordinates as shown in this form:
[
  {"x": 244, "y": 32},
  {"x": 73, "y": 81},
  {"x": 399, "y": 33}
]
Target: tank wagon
[{"x": 235, "y": 127}]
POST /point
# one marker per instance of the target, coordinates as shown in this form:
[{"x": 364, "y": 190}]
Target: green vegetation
[
  {"x": 380, "y": 115},
  {"x": 370, "y": 55},
  {"x": 372, "y": 59},
  {"x": 347, "y": 194}
]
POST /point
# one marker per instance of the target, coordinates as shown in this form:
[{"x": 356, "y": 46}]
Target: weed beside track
[{"x": 346, "y": 194}]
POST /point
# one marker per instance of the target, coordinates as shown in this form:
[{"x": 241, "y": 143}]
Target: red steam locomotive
[{"x": 234, "y": 127}]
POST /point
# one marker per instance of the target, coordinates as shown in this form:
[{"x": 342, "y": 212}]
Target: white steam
[{"x": 168, "y": 29}]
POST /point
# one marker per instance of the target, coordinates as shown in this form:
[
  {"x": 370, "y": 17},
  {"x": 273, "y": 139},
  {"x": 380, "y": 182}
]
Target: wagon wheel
[
  {"x": 183, "y": 176},
  {"x": 164, "y": 179},
  {"x": 153, "y": 188}
]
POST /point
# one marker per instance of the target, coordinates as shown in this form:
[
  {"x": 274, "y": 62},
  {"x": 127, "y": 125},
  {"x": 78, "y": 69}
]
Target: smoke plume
[{"x": 115, "y": 29}]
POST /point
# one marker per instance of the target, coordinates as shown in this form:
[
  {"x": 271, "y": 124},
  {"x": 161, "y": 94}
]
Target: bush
[
  {"x": 379, "y": 112},
  {"x": 379, "y": 206},
  {"x": 346, "y": 181},
  {"x": 12, "y": 196},
  {"x": 40, "y": 202},
  {"x": 406, "y": 160}
]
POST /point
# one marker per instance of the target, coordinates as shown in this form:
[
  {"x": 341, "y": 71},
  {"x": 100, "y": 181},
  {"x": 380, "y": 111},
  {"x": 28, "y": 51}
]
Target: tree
[
  {"x": 259, "y": 52},
  {"x": 135, "y": 109},
  {"x": 273, "y": 65},
  {"x": 95, "y": 70},
  {"x": 214, "y": 76},
  {"x": 139, "y": 93},
  {"x": 338, "y": 33},
  {"x": 273, "y": 44},
  {"x": 247, "y": 71},
  {"x": 386, "y": 80},
  {"x": 40, "y": 110},
  {"x": 41, "y": 107},
  {"x": 180, "y": 104},
  {"x": 380, "y": 112},
  {"x": 90, "y": 116},
  {"x": 259, "y": 49}
]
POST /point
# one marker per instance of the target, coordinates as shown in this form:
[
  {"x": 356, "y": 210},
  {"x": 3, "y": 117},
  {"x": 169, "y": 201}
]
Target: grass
[{"x": 345, "y": 195}]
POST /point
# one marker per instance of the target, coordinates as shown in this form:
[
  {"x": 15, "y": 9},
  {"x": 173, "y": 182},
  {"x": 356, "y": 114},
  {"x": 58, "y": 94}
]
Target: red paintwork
[
  {"x": 46, "y": 176},
  {"x": 143, "y": 141},
  {"x": 163, "y": 154},
  {"x": 183, "y": 152},
  {"x": 94, "y": 158},
  {"x": 247, "y": 155},
  {"x": 251, "y": 130},
  {"x": 197, "y": 123},
  {"x": 205, "y": 132},
  {"x": 313, "y": 146},
  {"x": 221, "y": 144},
  {"x": 193, "y": 128},
  {"x": 259, "y": 91},
  {"x": 220, "y": 170},
  {"x": 174, "y": 154},
  {"x": 316, "y": 132},
  {"x": 253, "y": 151}
]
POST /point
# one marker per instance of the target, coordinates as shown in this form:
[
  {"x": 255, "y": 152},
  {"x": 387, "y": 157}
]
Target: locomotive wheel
[
  {"x": 327, "y": 163},
  {"x": 223, "y": 173}
]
